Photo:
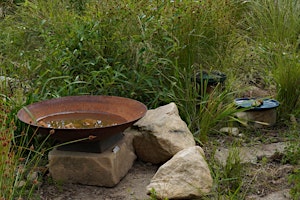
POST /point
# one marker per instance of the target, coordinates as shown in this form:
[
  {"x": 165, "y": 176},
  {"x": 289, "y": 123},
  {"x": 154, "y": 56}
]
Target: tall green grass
[
  {"x": 274, "y": 29},
  {"x": 7, "y": 157},
  {"x": 128, "y": 43},
  {"x": 150, "y": 51},
  {"x": 20, "y": 157},
  {"x": 287, "y": 77}
]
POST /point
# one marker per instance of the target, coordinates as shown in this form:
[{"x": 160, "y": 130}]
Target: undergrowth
[{"x": 150, "y": 51}]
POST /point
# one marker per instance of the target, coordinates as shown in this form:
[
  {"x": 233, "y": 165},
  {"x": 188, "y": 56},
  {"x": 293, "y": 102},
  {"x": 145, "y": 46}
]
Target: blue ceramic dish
[{"x": 248, "y": 103}]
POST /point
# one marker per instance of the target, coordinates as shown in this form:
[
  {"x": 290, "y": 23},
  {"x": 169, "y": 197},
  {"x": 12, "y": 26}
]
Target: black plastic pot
[{"x": 212, "y": 80}]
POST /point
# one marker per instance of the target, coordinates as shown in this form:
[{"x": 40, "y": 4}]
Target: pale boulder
[
  {"x": 160, "y": 134},
  {"x": 184, "y": 176}
]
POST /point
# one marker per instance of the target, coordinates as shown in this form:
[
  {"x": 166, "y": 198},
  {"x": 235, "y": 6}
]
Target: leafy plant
[
  {"x": 228, "y": 177},
  {"x": 287, "y": 75},
  {"x": 19, "y": 158},
  {"x": 294, "y": 179},
  {"x": 150, "y": 51},
  {"x": 291, "y": 155},
  {"x": 214, "y": 109},
  {"x": 153, "y": 195},
  {"x": 279, "y": 21},
  {"x": 278, "y": 51},
  {"x": 7, "y": 157}
]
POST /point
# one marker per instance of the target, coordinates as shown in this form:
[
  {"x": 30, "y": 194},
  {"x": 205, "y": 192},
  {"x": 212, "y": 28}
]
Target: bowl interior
[{"x": 122, "y": 111}]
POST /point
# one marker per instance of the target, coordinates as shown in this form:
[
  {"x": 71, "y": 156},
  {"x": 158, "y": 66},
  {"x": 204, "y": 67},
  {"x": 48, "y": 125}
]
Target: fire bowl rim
[{"x": 99, "y": 132}]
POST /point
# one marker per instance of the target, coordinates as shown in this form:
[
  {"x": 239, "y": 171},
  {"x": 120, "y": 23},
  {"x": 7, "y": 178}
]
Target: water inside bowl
[{"x": 80, "y": 120}]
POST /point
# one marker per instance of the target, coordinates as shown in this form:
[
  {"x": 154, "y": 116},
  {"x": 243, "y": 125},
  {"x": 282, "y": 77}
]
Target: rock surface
[
  {"x": 251, "y": 154},
  {"x": 131, "y": 187},
  {"x": 230, "y": 130},
  {"x": 184, "y": 176},
  {"x": 258, "y": 119},
  {"x": 279, "y": 195},
  {"x": 100, "y": 169},
  {"x": 160, "y": 134}
]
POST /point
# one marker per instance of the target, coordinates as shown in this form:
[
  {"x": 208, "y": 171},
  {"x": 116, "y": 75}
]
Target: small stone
[
  {"x": 116, "y": 149},
  {"x": 231, "y": 130},
  {"x": 32, "y": 176},
  {"x": 241, "y": 135},
  {"x": 21, "y": 184}
]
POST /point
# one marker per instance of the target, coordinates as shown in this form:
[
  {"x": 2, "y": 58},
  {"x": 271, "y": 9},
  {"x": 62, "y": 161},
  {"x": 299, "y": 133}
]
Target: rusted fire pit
[{"x": 102, "y": 119}]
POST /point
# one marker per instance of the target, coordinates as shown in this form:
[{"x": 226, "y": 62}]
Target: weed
[
  {"x": 292, "y": 153},
  {"x": 153, "y": 195},
  {"x": 279, "y": 51},
  {"x": 287, "y": 75},
  {"x": 150, "y": 51},
  {"x": 228, "y": 177},
  {"x": 17, "y": 159},
  {"x": 294, "y": 179},
  {"x": 292, "y": 156}
]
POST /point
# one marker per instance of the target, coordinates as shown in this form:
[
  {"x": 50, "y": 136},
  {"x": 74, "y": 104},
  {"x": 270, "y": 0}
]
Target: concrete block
[{"x": 99, "y": 169}]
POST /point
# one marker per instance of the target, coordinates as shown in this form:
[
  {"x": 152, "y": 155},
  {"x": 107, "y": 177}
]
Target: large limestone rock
[
  {"x": 160, "y": 134},
  {"x": 100, "y": 169},
  {"x": 185, "y": 176}
]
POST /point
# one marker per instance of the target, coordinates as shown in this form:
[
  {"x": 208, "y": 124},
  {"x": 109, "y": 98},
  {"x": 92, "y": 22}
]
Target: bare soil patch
[{"x": 132, "y": 186}]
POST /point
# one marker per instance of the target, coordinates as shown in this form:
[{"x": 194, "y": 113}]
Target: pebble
[
  {"x": 231, "y": 130},
  {"x": 32, "y": 176}
]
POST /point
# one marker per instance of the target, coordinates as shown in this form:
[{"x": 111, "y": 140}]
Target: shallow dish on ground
[{"x": 256, "y": 104}]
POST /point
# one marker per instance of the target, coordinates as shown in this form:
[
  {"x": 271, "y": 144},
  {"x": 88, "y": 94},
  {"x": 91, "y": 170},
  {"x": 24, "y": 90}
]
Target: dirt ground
[
  {"x": 132, "y": 186},
  {"x": 259, "y": 180},
  {"x": 266, "y": 177}
]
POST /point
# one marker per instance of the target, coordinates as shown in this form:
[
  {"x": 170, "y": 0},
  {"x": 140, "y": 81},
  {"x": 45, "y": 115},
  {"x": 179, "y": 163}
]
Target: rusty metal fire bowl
[{"x": 126, "y": 111}]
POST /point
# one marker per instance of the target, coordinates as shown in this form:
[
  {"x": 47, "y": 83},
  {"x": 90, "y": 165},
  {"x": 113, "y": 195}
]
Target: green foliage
[
  {"x": 215, "y": 109},
  {"x": 153, "y": 195},
  {"x": 292, "y": 153},
  {"x": 150, "y": 51},
  {"x": 7, "y": 158},
  {"x": 136, "y": 41},
  {"x": 274, "y": 29},
  {"x": 292, "y": 156},
  {"x": 233, "y": 169},
  {"x": 18, "y": 158},
  {"x": 294, "y": 179},
  {"x": 278, "y": 20},
  {"x": 228, "y": 177},
  {"x": 287, "y": 75}
]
